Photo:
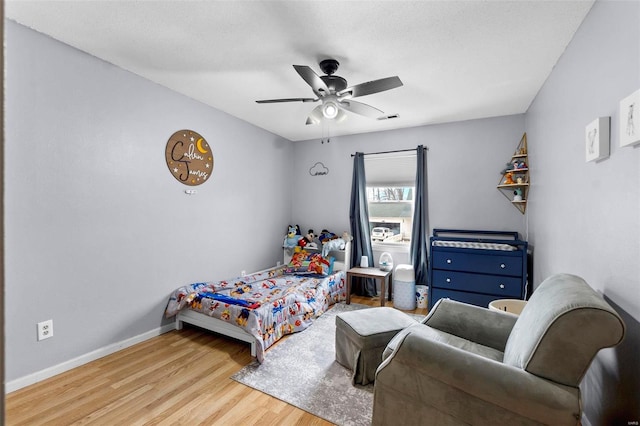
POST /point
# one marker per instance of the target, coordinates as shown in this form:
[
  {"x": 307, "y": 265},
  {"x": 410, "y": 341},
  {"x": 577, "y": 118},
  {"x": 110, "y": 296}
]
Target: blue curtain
[
  {"x": 419, "y": 235},
  {"x": 359, "y": 221}
]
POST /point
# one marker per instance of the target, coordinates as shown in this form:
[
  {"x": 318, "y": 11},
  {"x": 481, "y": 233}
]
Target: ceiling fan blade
[
  {"x": 371, "y": 87},
  {"x": 360, "y": 108},
  {"x": 272, "y": 101},
  {"x": 389, "y": 116},
  {"x": 316, "y": 115},
  {"x": 312, "y": 79}
]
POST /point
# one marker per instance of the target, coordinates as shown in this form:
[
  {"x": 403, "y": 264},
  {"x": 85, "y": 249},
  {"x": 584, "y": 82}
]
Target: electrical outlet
[
  {"x": 243, "y": 273},
  {"x": 45, "y": 329}
]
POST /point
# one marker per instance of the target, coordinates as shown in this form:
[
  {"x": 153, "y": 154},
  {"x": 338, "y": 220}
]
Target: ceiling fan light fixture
[{"x": 330, "y": 110}]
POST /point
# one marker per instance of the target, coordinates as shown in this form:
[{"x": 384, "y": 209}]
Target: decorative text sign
[{"x": 189, "y": 157}]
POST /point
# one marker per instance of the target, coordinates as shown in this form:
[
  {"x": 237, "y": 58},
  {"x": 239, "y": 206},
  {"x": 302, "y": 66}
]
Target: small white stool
[{"x": 404, "y": 288}]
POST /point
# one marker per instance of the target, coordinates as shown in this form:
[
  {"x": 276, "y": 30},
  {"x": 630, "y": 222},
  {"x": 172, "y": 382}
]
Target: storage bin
[
  {"x": 513, "y": 306},
  {"x": 404, "y": 288},
  {"x": 421, "y": 296}
]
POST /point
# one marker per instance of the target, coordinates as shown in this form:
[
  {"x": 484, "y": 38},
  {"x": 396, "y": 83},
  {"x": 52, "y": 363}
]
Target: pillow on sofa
[{"x": 304, "y": 263}]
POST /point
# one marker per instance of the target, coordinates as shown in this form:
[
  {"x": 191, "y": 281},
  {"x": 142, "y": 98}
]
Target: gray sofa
[{"x": 470, "y": 365}]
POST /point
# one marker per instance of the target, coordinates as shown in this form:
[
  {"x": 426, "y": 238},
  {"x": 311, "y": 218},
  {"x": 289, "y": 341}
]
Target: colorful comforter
[{"x": 267, "y": 305}]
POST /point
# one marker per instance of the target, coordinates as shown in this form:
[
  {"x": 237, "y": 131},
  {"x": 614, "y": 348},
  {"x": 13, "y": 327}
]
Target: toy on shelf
[
  {"x": 293, "y": 236},
  {"x": 508, "y": 178},
  {"x": 326, "y": 236},
  {"x": 515, "y": 181},
  {"x": 308, "y": 240},
  {"x": 519, "y": 165}
]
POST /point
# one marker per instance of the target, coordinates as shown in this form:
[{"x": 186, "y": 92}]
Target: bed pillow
[{"x": 304, "y": 263}]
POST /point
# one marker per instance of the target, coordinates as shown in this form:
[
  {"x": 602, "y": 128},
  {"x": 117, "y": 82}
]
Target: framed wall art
[
  {"x": 189, "y": 157},
  {"x": 630, "y": 119},
  {"x": 597, "y": 139}
]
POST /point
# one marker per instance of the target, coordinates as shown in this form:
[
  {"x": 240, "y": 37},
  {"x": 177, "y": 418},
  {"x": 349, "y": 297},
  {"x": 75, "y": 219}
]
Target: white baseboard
[{"x": 84, "y": 359}]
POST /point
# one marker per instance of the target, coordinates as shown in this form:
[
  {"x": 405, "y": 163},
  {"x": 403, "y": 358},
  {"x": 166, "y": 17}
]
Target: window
[{"x": 390, "y": 189}]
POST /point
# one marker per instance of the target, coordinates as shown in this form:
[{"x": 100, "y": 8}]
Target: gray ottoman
[{"x": 361, "y": 337}]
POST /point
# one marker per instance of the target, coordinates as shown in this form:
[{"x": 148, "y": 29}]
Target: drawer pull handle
[
  {"x": 448, "y": 260},
  {"x": 502, "y": 265},
  {"x": 448, "y": 280},
  {"x": 501, "y": 285}
]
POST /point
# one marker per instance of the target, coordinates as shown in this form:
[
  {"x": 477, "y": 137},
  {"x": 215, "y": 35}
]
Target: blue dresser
[{"x": 477, "y": 267}]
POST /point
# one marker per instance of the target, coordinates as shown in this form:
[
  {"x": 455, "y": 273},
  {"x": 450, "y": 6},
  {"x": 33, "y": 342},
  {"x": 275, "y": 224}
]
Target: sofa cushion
[
  {"x": 433, "y": 334},
  {"x": 561, "y": 329}
]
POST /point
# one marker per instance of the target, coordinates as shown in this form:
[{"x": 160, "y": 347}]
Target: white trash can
[
  {"x": 404, "y": 288},
  {"x": 421, "y": 296}
]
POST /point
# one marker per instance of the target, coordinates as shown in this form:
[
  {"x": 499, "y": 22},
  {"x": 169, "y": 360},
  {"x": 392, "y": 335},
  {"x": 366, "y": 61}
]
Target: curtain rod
[{"x": 391, "y": 152}]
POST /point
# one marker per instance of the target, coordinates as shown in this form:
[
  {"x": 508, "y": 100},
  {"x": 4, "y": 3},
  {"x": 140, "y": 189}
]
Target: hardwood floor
[{"x": 176, "y": 378}]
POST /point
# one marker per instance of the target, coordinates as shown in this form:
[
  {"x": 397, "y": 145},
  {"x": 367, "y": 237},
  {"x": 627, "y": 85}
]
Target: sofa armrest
[
  {"x": 480, "y": 325},
  {"x": 433, "y": 373}
]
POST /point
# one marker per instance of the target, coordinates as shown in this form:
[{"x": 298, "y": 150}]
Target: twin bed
[{"x": 263, "y": 307}]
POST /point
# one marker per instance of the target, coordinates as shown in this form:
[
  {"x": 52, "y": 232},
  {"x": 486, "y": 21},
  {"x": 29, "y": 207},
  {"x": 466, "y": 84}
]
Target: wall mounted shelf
[{"x": 515, "y": 181}]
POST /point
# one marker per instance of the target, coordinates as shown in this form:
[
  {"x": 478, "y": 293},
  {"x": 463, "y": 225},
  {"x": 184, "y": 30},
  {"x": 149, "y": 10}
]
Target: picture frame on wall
[
  {"x": 597, "y": 139},
  {"x": 630, "y": 119}
]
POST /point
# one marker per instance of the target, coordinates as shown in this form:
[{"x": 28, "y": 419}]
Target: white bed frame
[{"x": 342, "y": 263}]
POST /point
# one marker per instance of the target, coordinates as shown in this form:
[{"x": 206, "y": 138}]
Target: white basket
[{"x": 513, "y": 306}]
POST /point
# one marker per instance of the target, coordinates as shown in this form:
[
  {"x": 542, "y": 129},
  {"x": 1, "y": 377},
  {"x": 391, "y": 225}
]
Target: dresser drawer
[
  {"x": 501, "y": 286},
  {"x": 496, "y": 264},
  {"x": 477, "y": 299}
]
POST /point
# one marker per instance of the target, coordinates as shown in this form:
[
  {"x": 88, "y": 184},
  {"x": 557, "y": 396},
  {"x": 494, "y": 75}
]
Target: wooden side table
[{"x": 376, "y": 274}]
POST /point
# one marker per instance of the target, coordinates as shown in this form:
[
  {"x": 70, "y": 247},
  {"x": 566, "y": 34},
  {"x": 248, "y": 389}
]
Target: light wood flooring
[{"x": 178, "y": 378}]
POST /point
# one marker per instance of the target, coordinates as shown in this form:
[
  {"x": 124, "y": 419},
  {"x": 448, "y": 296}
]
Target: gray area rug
[{"x": 302, "y": 371}]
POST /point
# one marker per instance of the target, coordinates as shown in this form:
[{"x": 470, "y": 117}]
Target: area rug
[{"x": 301, "y": 371}]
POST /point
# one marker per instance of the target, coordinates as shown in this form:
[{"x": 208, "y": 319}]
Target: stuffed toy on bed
[
  {"x": 307, "y": 240},
  {"x": 293, "y": 236},
  {"x": 326, "y": 236},
  {"x": 336, "y": 243}
]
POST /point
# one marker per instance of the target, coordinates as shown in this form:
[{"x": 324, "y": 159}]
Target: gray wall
[
  {"x": 98, "y": 232},
  {"x": 93, "y": 217},
  {"x": 585, "y": 217},
  {"x": 463, "y": 168}
]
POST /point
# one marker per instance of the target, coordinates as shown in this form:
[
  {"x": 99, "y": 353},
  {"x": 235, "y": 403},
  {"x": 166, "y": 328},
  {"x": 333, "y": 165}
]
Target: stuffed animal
[
  {"x": 346, "y": 237},
  {"x": 508, "y": 179},
  {"x": 293, "y": 236},
  {"x": 307, "y": 240},
  {"x": 337, "y": 243},
  {"x": 326, "y": 236}
]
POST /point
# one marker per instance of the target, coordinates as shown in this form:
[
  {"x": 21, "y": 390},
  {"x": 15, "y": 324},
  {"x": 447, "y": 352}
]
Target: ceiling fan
[{"x": 335, "y": 96}]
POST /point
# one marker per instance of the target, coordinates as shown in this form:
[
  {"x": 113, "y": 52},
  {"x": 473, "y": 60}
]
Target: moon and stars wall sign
[{"x": 189, "y": 157}]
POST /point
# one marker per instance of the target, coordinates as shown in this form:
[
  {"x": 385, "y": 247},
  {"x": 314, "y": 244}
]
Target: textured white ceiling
[{"x": 458, "y": 60}]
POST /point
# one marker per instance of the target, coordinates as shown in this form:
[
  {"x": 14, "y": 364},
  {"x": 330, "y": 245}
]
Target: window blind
[{"x": 390, "y": 170}]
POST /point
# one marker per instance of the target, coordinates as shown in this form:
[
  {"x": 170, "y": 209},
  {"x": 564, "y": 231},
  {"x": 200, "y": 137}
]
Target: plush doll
[
  {"x": 326, "y": 236},
  {"x": 292, "y": 237},
  {"x": 508, "y": 179},
  {"x": 307, "y": 240},
  {"x": 336, "y": 243}
]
